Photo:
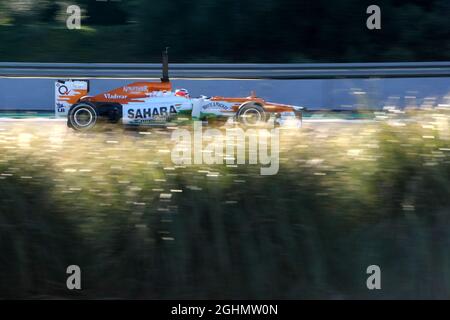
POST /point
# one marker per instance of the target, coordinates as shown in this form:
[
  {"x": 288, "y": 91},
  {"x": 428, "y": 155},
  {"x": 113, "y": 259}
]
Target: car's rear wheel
[
  {"x": 82, "y": 116},
  {"x": 252, "y": 115}
]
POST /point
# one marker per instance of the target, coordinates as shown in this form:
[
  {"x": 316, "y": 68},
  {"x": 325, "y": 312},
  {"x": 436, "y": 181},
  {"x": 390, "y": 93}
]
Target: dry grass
[{"x": 345, "y": 197}]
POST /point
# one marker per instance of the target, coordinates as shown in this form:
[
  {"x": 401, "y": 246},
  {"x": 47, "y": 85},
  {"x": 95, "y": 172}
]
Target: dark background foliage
[{"x": 225, "y": 31}]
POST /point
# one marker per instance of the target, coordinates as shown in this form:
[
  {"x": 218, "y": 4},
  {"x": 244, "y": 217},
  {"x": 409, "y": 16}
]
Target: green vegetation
[
  {"x": 225, "y": 31},
  {"x": 345, "y": 197}
]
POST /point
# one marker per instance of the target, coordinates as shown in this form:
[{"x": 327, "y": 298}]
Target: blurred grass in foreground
[{"x": 346, "y": 197}]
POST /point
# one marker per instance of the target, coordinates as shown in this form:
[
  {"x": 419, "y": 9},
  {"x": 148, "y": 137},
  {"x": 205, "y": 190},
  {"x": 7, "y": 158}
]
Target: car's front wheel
[{"x": 82, "y": 116}]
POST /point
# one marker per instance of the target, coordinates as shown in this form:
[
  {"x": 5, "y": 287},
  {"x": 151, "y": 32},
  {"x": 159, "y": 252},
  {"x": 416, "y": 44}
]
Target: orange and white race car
[{"x": 155, "y": 103}]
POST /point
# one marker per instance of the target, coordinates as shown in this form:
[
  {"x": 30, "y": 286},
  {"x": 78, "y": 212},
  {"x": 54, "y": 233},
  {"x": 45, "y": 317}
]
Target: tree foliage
[{"x": 228, "y": 31}]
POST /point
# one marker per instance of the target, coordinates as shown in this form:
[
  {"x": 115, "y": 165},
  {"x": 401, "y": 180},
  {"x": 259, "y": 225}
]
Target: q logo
[{"x": 63, "y": 89}]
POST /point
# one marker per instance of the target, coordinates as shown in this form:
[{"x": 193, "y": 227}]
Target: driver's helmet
[{"x": 182, "y": 93}]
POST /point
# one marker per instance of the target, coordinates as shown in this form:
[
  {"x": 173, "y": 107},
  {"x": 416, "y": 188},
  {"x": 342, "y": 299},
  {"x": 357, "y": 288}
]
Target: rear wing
[{"x": 68, "y": 92}]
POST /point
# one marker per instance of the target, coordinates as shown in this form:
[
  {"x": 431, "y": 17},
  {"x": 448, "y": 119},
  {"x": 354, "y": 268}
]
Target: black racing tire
[
  {"x": 252, "y": 115},
  {"x": 82, "y": 116}
]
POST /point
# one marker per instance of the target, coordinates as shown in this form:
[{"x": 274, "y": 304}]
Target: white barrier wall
[{"x": 337, "y": 94}]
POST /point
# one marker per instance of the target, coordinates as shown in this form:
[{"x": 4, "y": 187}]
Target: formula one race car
[{"x": 154, "y": 103}]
